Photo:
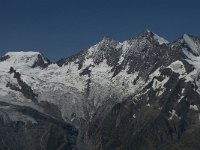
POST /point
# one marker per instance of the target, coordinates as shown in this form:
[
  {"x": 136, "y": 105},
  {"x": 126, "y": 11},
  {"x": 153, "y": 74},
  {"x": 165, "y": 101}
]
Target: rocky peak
[
  {"x": 146, "y": 33},
  {"x": 106, "y": 43},
  {"x": 106, "y": 39},
  {"x": 152, "y": 37}
]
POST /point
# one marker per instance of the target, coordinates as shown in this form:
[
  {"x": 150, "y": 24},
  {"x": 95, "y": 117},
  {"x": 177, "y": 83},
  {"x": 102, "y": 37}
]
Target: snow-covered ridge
[
  {"x": 156, "y": 37},
  {"x": 22, "y": 53},
  {"x": 21, "y": 60},
  {"x": 191, "y": 44},
  {"x": 160, "y": 39}
]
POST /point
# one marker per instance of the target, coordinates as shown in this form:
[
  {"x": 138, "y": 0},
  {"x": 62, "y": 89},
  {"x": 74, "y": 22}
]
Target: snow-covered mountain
[{"x": 142, "y": 93}]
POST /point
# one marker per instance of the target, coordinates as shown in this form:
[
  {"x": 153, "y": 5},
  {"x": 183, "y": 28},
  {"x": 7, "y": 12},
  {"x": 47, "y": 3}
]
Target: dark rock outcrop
[
  {"x": 22, "y": 86},
  {"x": 23, "y": 128}
]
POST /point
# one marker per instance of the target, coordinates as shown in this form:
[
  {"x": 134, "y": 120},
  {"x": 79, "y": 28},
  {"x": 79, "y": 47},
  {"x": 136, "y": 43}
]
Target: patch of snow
[
  {"x": 125, "y": 47},
  {"x": 125, "y": 82},
  {"x": 160, "y": 39},
  {"x": 21, "y": 53},
  {"x": 148, "y": 105},
  {"x": 178, "y": 67},
  {"x": 195, "y": 61},
  {"x": 194, "y": 107},
  {"x": 193, "y": 46},
  {"x": 173, "y": 114},
  {"x": 155, "y": 73},
  {"x": 92, "y": 50},
  {"x": 159, "y": 85},
  {"x": 142, "y": 93},
  {"x": 134, "y": 116},
  {"x": 88, "y": 62},
  {"x": 183, "y": 90},
  {"x": 179, "y": 100},
  {"x": 121, "y": 59}
]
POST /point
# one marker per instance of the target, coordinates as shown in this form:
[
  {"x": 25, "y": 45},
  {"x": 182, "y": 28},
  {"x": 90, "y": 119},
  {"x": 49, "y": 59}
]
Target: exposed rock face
[
  {"x": 24, "y": 128},
  {"x": 3, "y": 58},
  {"x": 21, "y": 86},
  {"x": 142, "y": 93},
  {"x": 150, "y": 120}
]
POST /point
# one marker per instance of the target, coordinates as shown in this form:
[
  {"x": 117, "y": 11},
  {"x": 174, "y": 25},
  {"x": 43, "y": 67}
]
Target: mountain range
[{"x": 139, "y": 94}]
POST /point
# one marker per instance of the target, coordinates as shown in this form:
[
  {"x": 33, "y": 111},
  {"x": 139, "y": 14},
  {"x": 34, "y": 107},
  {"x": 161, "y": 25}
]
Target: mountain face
[{"x": 142, "y": 93}]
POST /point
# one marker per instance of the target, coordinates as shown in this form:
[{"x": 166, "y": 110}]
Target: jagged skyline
[{"x": 62, "y": 28}]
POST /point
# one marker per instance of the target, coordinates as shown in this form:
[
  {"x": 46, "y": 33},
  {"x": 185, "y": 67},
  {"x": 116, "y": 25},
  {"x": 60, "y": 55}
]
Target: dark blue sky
[{"x": 59, "y": 28}]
